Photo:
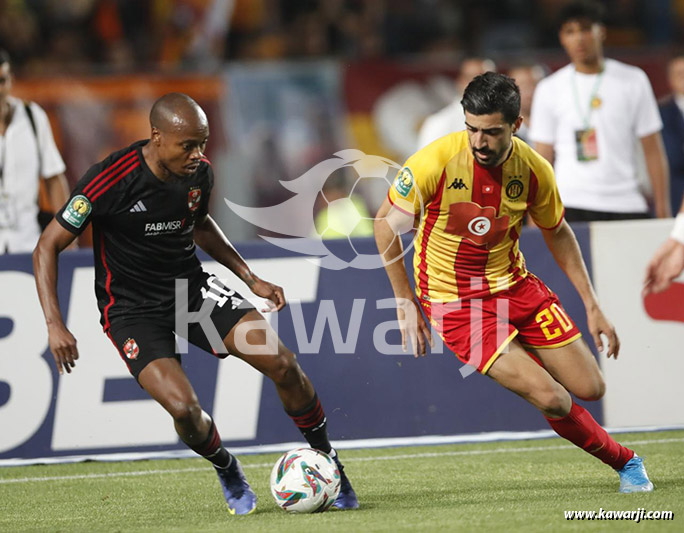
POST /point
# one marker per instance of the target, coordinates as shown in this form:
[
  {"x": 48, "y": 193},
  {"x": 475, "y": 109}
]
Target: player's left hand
[
  {"x": 273, "y": 293},
  {"x": 600, "y": 325}
]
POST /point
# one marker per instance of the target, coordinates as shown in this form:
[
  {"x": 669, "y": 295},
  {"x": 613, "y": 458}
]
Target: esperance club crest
[
  {"x": 194, "y": 196},
  {"x": 514, "y": 189}
]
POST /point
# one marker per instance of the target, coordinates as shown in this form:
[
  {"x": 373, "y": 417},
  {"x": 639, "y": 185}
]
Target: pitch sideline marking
[{"x": 347, "y": 460}]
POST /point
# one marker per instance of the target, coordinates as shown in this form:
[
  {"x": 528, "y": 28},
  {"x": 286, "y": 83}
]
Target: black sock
[
  {"x": 212, "y": 449},
  {"x": 312, "y": 423}
]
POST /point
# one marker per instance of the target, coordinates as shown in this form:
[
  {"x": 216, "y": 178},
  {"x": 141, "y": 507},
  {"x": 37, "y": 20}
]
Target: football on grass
[{"x": 305, "y": 481}]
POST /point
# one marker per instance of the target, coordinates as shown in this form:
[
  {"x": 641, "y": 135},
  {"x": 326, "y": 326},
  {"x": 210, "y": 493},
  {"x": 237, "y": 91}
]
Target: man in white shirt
[
  {"x": 588, "y": 119},
  {"x": 451, "y": 118},
  {"x": 27, "y": 153}
]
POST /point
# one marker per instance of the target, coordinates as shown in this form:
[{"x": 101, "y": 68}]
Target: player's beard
[{"x": 494, "y": 159}]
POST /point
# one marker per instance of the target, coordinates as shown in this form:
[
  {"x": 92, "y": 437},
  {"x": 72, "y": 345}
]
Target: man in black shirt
[{"x": 148, "y": 204}]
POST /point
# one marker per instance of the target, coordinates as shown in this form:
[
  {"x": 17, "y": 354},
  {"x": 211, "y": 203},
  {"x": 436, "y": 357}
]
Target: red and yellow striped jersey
[{"x": 471, "y": 216}]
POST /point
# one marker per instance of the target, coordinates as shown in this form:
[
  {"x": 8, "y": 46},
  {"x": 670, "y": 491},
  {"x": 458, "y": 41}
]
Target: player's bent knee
[
  {"x": 285, "y": 369},
  {"x": 553, "y": 401},
  {"x": 592, "y": 391},
  {"x": 184, "y": 412}
]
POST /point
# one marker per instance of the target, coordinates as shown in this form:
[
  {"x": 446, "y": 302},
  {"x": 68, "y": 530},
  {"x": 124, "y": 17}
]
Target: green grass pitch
[{"x": 512, "y": 486}]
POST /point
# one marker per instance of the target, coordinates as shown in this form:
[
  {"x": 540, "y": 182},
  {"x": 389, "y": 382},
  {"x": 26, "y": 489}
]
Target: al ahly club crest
[
  {"x": 194, "y": 196},
  {"x": 131, "y": 349}
]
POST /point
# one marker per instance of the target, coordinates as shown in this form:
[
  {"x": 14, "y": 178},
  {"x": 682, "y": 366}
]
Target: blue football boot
[
  {"x": 239, "y": 495},
  {"x": 347, "y": 497},
  {"x": 633, "y": 477}
]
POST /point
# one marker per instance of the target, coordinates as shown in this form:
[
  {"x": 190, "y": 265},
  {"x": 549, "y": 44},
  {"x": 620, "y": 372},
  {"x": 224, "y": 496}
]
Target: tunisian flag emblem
[
  {"x": 194, "y": 196},
  {"x": 479, "y": 225}
]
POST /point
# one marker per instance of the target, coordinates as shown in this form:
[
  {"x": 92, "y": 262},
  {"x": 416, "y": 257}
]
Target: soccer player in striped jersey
[
  {"x": 470, "y": 191},
  {"x": 148, "y": 204}
]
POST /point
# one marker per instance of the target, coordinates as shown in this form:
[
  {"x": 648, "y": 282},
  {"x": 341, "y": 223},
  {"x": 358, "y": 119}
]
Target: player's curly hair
[{"x": 492, "y": 92}]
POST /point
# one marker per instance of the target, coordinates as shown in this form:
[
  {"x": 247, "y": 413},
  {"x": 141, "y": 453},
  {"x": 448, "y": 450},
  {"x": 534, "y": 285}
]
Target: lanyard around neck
[{"x": 585, "y": 117}]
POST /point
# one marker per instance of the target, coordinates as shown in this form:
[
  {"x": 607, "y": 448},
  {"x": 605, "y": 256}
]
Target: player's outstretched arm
[
  {"x": 62, "y": 343},
  {"x": 563, "y": 245},
  {"x": 212, "y": 240},
  {"x": 668, "y": 261},
  {"x": 389, "y": 224}
]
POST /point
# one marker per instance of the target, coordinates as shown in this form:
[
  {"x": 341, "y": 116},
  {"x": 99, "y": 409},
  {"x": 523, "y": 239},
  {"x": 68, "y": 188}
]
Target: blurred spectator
[
  {"x": 672, "y": 113},
  {"x": 451, "y": 118},
  {"x": 526, "y": 76},
  {"x": 27, "y": 154},
  {"x": 587, "y": 120},
  {"x": 198, "y": 34}
]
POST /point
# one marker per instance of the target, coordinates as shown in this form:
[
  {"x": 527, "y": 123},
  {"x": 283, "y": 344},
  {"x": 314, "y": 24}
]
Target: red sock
[
  {"x": 212, "y": 449},
  {"x": 580, "y": 428}
]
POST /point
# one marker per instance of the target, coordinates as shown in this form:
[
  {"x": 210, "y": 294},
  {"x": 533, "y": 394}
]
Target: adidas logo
[{"x": 139, "y": 207}]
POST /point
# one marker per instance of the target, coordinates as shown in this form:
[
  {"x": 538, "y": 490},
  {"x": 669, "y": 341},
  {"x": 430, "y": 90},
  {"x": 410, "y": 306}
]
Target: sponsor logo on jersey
[
  {"x": 514, "y": 189},
  {"x": 194, "y": 196},
  {"x": 77, "y": 210},
  {"x": 479, "y": 225},
  {"x": 404, "y": 182},
  {"x": 139, "y": 207},
  {"x": 458, "y": 184},
  {"x": 169, "y": 226},
  {"x": 131, "y": 349}
]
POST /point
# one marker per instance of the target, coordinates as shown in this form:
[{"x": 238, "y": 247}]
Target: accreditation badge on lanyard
[
  {"x": 585, "y": 139},
  {"x": 587, "y": 147}
]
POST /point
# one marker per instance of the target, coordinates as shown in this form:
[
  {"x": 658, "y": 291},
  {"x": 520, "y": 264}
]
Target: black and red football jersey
[{"x": 142, "y": 231}]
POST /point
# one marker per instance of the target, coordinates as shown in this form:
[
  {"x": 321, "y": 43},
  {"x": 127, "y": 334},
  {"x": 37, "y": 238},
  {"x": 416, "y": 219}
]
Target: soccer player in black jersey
[{"x": 148, "y": 205}]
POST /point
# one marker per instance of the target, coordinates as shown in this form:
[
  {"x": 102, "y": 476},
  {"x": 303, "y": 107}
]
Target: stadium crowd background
[
  {"x": 131, "y": 35},
  {"x": 287, "y": 83}
]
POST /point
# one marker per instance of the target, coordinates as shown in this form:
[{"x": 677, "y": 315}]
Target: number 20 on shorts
[{"x": 549, "y": 320}]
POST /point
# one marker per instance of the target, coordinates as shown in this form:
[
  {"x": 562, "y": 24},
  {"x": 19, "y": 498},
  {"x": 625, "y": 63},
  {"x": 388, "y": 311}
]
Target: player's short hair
[
  {"x": 492, "y": 92},
  {"x": 581, "y": 10},
  {"x": 5, "y": 57}
]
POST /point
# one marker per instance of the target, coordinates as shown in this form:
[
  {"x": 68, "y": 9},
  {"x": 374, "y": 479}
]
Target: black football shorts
[{"x": 141, "y": 340}]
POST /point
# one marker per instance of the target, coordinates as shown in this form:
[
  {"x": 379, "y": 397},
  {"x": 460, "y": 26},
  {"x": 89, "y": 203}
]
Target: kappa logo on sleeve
[
  {"x": 404, "y": 182},
  {"x": 77, "y": 210}
]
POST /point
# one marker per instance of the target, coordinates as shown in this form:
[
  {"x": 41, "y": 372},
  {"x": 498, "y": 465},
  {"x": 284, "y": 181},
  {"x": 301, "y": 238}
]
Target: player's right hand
[
  {"x": 413, "y": 327},
  {"x": 63, "y": 347},
  {"x": 599, "y": 325},
  {"x": 272, "y": 293}
]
